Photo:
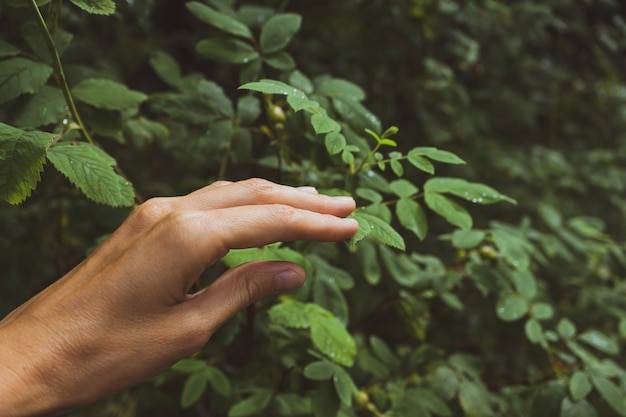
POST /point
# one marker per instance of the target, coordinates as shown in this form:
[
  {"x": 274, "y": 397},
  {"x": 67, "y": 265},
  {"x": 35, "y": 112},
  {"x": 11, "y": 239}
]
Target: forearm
[{"x": 26, "y": 386}]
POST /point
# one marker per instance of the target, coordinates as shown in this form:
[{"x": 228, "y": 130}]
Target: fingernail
[
  {"x": 287, "y": 280},
  {"x": 307, "y": 189}
]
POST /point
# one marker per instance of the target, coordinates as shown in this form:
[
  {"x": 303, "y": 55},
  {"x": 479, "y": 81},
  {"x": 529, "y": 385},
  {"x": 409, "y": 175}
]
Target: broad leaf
[
  {"x": 102, "y": 7},
  {"x": 612, "y": 394},
  {"x": 277, "y": 32},
  {"x": 323, "y": 124},
  {"x": 219, "y": 382},
  {"x": 412, "y": 216},
  {"x": 379, "y": 230},
  {"x": 107, "y": 94},
  {"x": 470, "y": 191},
  {"x": 230, "y": 51},
  {"x": 320, "y": 370},
  {"x": 192, "y": 390},
  {"x": 335, "y": 143},
  {"x": 219, "y": 20},
  {"x": 91, "y": 170},
  {"x": 339, "y": 88},
  {"x": 22, "y": 156},
  {"x": 47, "y": 106},
  {"x": 252, "y": 405},
  {"x": 575, "y": 408},
  {"x": 449, "y": 210},
  {"x": 166, "y": 68},
  {"x": 291, "y": 314},
  {"x": 511, "y": 307},
  {"x": 436, "y": 155},
  {"x": 332, "y": 339},
  {"x": 21, "y": 76},
  {"x": 403, "y": 188},
  {"x": 467, "y": 239},
  {"x": 356, "y": 115},
  {"x": 579, "y": 386},
  {"x": 280, "y": 60},
  {"x": 344, "y": 385},
  {"x": 6, "y": 49},
  {"x": 600, "y": 341}
]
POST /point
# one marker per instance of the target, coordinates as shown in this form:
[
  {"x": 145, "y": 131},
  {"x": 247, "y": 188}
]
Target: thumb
[{"x": 241, "y": 286}]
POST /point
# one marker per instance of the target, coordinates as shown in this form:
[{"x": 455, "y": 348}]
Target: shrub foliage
[{"x": 455, "y": 298}]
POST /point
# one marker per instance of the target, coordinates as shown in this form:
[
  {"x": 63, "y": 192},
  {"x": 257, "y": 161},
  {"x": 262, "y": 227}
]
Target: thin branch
[{"x": 58, "y": 67}]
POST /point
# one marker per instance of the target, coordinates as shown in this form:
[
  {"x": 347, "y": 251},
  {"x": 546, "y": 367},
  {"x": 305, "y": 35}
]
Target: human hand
[{"x": 125, "y": 313}]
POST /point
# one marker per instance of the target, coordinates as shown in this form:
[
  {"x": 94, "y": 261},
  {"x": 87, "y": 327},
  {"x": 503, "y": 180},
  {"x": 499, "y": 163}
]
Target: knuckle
[
  {"x": 251, "y": 290},
  {"x": 261, "y": 187},
  {"x": 152, "y": 210}
]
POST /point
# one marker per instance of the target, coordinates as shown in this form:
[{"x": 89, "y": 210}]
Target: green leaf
[
  {"x": 31, "y": 33},
  {"x": 280, "y": 60},
  {"x": 335, "y": 143},
  {"x": 379, "y": 230},
  {"x": 340, "y": 88},
  {"x": 612, "y": 394},
  {"x": 47, "y": 106},
  {"x": 344, "y": 385},
  {"x": 107, "y": 94},
  {"x": 193, "y": 389},
  {"x": 421, "y": 163},
  {"x": 101, "y": 7},
  {"x": 323, "y": 124},
  {"x": 219, "y": 20},
  {"x": 534, "y": 331},
  {"x": 22, "y": 156},
  {"x": 277, "y": 32},
  {"x": 320, "y": 370},
  {"x": 542, "y": 311},
  {"x": 291, "y": 313},
  {"x": 581, "y": 408},
  {"x": 412, "y": 216},
  {"x": 252, "y": 405},
  {"x": 579, "y": 386},
  {"x": 332, "y": 339},
  {"x": 189, "y": 365},
  {"x": 382, "y": 351},
  {"x": 403, "y": 188},
  {"x": 356, "y": 115},
  {"x": 449, "y": 210},
  {"x": 91, "y": 170},
  {"x": 467, "y": 239},
  {"x": 274, "y": 252},
  {"x": 474, "y": 399},
  {"x": 288, "y": 405},
  {"x": 368, "y": 259},
  {"x": 166, "y": 68},
  {"x": 327, "y": 294},
  {"x": 248, "y": 109},
  {"x": 470, "y": 191},
  {"x": 219, "y": 382},
  {"x": 431, "y": 402},
  {"x": 511, "y": 307},
  {"x": 7, "y": 49},
  {"x": 512, "y": 248},
  {"x": 230, "y": 51},
  {"x": 369, "y": 195},
  {"x": 600, "y": 341},
  {"x": 437, "y": 155},
  {"x": 273, "y": 87},
  {"x": 21, "y": 76},
  {"x": 566, "y": 328},
  {"x": 525, "y": 283}
]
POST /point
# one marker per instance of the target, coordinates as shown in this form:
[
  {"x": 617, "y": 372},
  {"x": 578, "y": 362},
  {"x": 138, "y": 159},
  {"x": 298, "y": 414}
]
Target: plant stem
[
  {"x": 366, "y": 159},
  {"x": 58, "y": 67}
]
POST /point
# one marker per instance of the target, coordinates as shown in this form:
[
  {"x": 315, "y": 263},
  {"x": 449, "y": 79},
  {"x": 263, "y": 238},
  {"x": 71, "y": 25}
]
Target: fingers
[
  {"x": 258, "y": 191},
  {"x": 238, "y": 288}
]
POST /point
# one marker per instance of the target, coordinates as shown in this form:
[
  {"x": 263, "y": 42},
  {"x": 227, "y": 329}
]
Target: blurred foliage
[{"x": 491, "y": 310}]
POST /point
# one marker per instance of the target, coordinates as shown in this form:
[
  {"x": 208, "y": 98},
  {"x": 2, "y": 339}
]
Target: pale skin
[{"x": 125, "y": 313}]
